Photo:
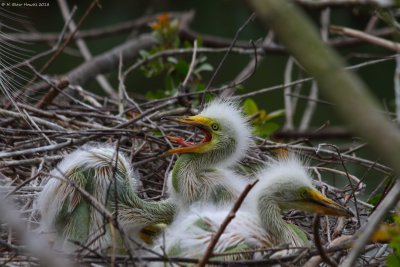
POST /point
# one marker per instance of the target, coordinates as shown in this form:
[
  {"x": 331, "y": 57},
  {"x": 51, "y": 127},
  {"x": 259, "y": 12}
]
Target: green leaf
[
  {"x": 182, "y": 67},
  {"x": 250, "y": 106},
  {"x": 199, "y": 87},
  {"x": 144, "y": 53},
  {"x": 393, "y": 260},
  {"x": 275, "y": 114},
  {"x": 156, "y": 95},
  {"x": 204, "y": 67},
  {"x": 172, "y": 60},
  {"x": 266, "y": 129}
]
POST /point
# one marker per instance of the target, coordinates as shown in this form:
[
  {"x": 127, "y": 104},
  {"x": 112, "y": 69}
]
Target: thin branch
[
  {"x": 287, "y": 90},
  {"x": 66, "y": 42},
  {"x": 373, "y": 223},
  {"x": 318, "y": 244},
  {"x": 346, "y": 3},
  {"x": 192, "y": 65},
  {"x": 366, "y": 37},
  {"x": 84, "y": 49},
  {"x": 214, "y": 75},
  {"x": 227, "y": 220}
]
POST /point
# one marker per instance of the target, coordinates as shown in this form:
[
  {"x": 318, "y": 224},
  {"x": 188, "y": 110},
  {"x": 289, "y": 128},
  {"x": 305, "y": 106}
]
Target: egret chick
[
  {"x": 72, "y": 217},
  {"x": 284, "y": 185},
  {"x": 203, "y": 170}
]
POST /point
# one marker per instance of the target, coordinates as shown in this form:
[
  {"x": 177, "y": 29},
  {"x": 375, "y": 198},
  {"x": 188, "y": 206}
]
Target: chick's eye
[{"x": 214, "y": 126}]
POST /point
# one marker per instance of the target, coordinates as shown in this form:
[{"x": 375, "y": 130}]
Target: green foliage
[
  {"x": 173, "y": 68},
  {"x": 394, "y": 258},
  {"x": 263, "y": 126}
]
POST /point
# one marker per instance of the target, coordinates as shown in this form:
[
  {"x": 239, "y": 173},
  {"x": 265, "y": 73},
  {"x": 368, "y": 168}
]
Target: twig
[
  {"x": 309, "y": 112},
  {"x": 83, "y": 48},
  {"x": 345, "y": 3},
  {"x": 366, "y": 37},
  {"x": 144, "y": 114},
  {"x": 318, "y": 244},
  {"x": 227, "y": 220},
  {"x": 373, "y": 223},
  {"x": 287, "y": 94},
  {"x": 45, "y": 148},
  {"x": 43, "y": 122},
  {"x": 206, "y": 90},
  {"x": 34, "y": 243},
  {"x": 315, "y": 260},
  {"x": 192, "y": 65},
  {"x": 273, "y": 145},
  {"x": 31, "y": 161},
  {"x": 25, "y": 182},
  {"x": 100, "y": 32},
  {"x": 248, "y": 71},
  {"x": 66, "y": 42},
  {"x": 353, "y": 190}
]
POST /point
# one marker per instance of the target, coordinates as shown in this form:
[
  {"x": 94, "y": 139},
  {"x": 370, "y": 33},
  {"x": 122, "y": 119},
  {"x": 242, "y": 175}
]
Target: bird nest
[{"x": 33, "y": 141}]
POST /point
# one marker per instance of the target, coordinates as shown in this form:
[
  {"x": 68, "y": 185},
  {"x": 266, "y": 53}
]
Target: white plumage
[
  {"x": 108, "y": 177},
  {"x": 203, "y": 171},
  {"x": 230, "y": 115},
  {"x": 285, "y": 184},
  {"x": 57, "y": 189}
]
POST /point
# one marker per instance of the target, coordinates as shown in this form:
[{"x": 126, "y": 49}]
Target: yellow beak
[
  {"x": 314, "y": 201},
  {"x": 199, "y": 122}
]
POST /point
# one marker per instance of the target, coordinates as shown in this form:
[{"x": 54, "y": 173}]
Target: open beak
[
  {"x": 199, "y": 122},
  {"x": 314, "y": 201}
]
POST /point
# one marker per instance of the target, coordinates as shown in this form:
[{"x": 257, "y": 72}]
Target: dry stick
[
  {"x": 48, "y": 124},
  {"x": 345, "y": 3},
  {"x": 366, "y": 37},
  {"x": 26, "y": 181},
  {"x": 34, "y": 243},
  {"x": 244, "y": 76},
  {"x": 373, "y": 223},
  {"x": 286, "y": 94},
  {"x": 189, "y": 51},
  {"x": 272, "y": 145},
  {"x": 35, "y": 126},
  {"x": 37, "y": 56},
  {"x": 44, "y": 148},
  {"x": 192, "y": 65},
  {"x": 324, "y": 189},
  {"x": 228, "y": 219},
  {"x": 83, "y": 48},
  {"x": 315, "y": 260},
  {"x": 64, "y": 45},
  {"x": 99, "y": 32},
  {"x": 352, "y": 177},
  {"x": 318, "y": 244},
  {"x": 353, "y": 190},
  {"x": 54, "y": 91},
  {"x": 206, "y": 90},
  {"x": 249, "y": 69},
  {"x": 122, "y": 92},
  {"x": 32, "y": 161},
  {"x": 144, "y": 114}
]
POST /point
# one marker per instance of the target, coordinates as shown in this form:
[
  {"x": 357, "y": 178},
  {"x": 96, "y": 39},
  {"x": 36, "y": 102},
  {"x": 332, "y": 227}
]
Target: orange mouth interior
[{"x": 182, "y": 142}]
